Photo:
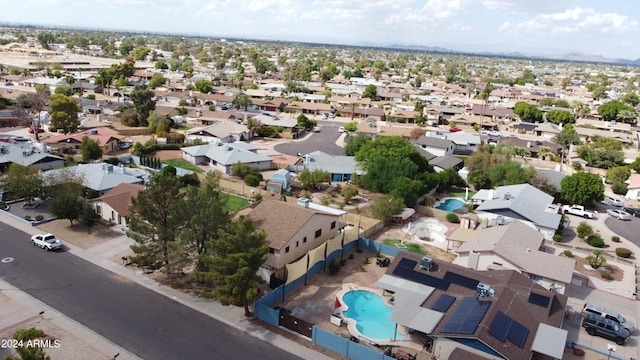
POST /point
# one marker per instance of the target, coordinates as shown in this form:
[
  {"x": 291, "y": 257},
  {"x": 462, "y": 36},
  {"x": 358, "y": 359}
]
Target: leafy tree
[
  {"x": 348, "y": 192},
  {"x": 449, "y": 178},
  {"x": 64, "y": 90},
  {"x": 203, "y": 225},
  {"x": 582, "y": 188},
  {"x": 311, "y": 179},
  {"x": 479, "y": 179},
  {"x": 90, "y": 149},
  {"x": 23, "y": 182},
  {"x": 45, "y": 39},
  {"x": 158, "y": 123},
  {"x": 619, "y": 188},
  {"x": 370, "y": 91},
  {"x": 509, "y": 173},
  {"x": 355, "y": 143},
  {"x": 567, "y": 137},
  {"x": 635, "y": 165},
  {"x": 618, "y": 174},
  {"x": 29, "y": 106},
  {"x": 143, "y": 101},
  {"x": 204, "y": 86},
  {"x": 386, "y": 207},
  {"x": 306, "y": 123},
  {"x": 602, "y": 152},
  {"x": 351, "y": 126},
  {"x": 155, "y": 220},
  {"x": 253, "y": 179},
  {"x": 235, "y": 258},
  {"x": 241, "y": 170},
  {"x": 67, "y": 203},
  {"x": 64, "y": 113},
  {"x": 584, "y": 230},
  {"x": 126, "y": 46},
  {"x": 610, "y": 110},
  {"x": 631, "y": 98},
  {"x": 140, "y": 52},
  {"x": 527, "y": 112},
  {"x": 157, "y": 80},
  {"x": 560, "y": 117},
  {"x": 88, "y": 216}
]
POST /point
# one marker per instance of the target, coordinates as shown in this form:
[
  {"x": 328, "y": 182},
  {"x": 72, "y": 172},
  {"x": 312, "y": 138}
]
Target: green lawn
[
  {"x": 236, "y": 203},
  {"x": 459, "y": 193},
  {"x": 182, "y": 163},
  {"x": 413, "y": 247}
]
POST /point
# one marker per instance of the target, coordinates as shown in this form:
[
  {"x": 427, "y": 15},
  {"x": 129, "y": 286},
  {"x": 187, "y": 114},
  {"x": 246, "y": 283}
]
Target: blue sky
[{"x": 595, "y": 27}]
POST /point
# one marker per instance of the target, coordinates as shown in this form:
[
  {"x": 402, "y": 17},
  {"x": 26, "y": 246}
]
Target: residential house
[
  {"x": 464, "y": 143},
  {"x": 633, "y": 187},
  {"x": 102, "y": 177},
  {"x": 309, "y": 108},
  {"x": 435, "y": 145},
  {"x": 293, "y": 229},
  {"x": 223, "y": 131},
  {"x": 113, "y": 206},
  {"x": 107, "y": 138},
  {"x": 9, "y": 118},
  {"x": 222, "y": 157},
  {"x": 339, "y": 167},
  {"x": 28, "y": 154},
  {"x": 287, "y": 122},
  {"x": 519, "y": 202},
  {"x": 497, "y": 314},
  {"x": 518, "y": 247},
  {"x": 363, "y": 113}
]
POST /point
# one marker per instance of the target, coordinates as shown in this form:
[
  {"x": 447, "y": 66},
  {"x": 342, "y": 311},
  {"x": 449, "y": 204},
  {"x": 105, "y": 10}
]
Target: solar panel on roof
[
  {"x": 407, "y": 263},
  {"x": 539, "y": 299},
  {"x": 500, "y": 326},
  {"x": 518, "y": 334},
  {"x": 467, "y": 316},
  {"x": 461, "y": 280},
  {"x": 443, "y": 303},
  {"x": 405, "y": 271}
]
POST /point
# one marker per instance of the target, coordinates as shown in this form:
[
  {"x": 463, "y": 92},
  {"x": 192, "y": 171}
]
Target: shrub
[
  {"x": 257, "y": 196},
  {"x": 557, "y": 237},
  {"x": 27, "y": 217},
  {"x": 366, "y": 261},
  {"x": 343, "y": 262},
  {"x": 2, "y": 205},
  {"x": 624, "y": 253},
  {"x": 605, "y": 274},
  {"x": 359, "y": 251},
  {"x": 615, "y": 239},
  {"x": 568, "y": 253},
  {"x": 596, "y": 259},
  {"x": 253, "y": 179},
  {"x": 577, "y": 166},
  {"x": 39, "y": 217},
  {"x": 619, "y": 188},
  {"x": 453, "y": 218},
  {"x": 595, "y": 241},
  {"x": 378, "y": 254},
  {"x": 334, "y": 267},
  {"x": 350, "y": 256}
]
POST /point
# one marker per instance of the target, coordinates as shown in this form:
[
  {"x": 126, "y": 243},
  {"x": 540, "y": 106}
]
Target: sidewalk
[{"x": 100, "y": 255}]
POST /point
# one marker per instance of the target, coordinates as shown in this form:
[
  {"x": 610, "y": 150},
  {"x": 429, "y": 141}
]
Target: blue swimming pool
[
  {"x": 450, "y": 205},
  {"x": 372, "y": 315}
]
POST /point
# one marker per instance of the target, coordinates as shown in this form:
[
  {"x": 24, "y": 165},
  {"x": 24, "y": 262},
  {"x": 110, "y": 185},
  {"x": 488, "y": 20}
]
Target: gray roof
[
  {"x": 221, "y": 129},
  {"x": 553, "y": 177},
  {"x": 445, "y": 162},
  {"x": 550, "y": 340},
  {"x": 334, "y": 164},
  {"x": 102, "y": 176},
  {"x": 24, "y": 154},
  {"x": 523, "y": 202},
  {"x": 227, "y": 154},
  {"x": 434, "y": 142},
  {"x": 284, "y": 120}
]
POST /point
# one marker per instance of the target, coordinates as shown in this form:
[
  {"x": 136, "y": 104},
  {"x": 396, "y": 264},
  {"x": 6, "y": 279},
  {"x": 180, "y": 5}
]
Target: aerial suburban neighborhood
[{"x": 172, "y": 196}]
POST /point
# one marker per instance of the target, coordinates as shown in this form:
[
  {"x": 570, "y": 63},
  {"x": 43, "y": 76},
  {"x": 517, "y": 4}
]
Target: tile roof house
[
  {"x": 293, "y": 229},
  {"x": 522, "y": 202},
  {"x": 633, "y": 187},
  {"x": 107, "y": 138},
  {"x": 113, "y": 205},
  {"x": 519, "y": 247},
  {"x": 492, "y": 314},
  {"x": 102, "y": 177},
  {"x": 28, "y": 155},
  {"x": 223, "y": 156}
]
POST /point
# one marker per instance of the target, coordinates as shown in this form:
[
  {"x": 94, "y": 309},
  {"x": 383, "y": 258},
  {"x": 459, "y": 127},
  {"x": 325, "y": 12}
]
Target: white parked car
[
  {"x": 46, "y": 241},
  {"x": 341, "y": 129},
  {"x": 494, "y": 133},
  {"x": 610, "y": 200},
  {"x": 619, "y": 214}
]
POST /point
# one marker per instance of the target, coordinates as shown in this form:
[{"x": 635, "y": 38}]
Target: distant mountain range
[{"x": 574, "y": 56}]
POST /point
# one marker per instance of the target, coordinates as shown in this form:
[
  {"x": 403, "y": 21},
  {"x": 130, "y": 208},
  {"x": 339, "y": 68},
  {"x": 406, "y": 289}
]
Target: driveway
[{"x": 324, "y": 140}]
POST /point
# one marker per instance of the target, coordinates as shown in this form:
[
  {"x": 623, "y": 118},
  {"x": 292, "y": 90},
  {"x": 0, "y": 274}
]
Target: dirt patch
[
  {"x": 79, "y": 235},
  {"x": 168, "y": 154},
  {"x": 583, "y": 267}
]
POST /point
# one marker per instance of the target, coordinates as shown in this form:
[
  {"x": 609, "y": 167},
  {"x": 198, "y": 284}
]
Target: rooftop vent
[
  {"x": 93, "y": 132},
  {"x": 484, "y": 290},
  {"x": 303, "y": 202}
]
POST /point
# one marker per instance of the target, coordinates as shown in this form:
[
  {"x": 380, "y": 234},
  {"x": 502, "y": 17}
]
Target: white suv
[
  {"x": 608, "y": 314},
  {"x": 46, "y": 241}
]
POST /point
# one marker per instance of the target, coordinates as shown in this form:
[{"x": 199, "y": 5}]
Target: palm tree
[
  {"x": 627, "y": 116},
  {"x": 242, "y": 100},
  {"x": 484, "y": 95},
  {"x": 353, "y": 105},
  {"x": 544, "y": 152}
]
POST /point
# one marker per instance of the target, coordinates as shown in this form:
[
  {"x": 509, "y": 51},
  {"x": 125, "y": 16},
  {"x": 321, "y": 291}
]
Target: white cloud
[
  {"x": 574, "y": 20},
  {"x": 527, "y": 6}
]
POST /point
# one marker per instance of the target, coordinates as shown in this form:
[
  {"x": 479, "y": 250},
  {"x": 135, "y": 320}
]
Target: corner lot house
[
  {"x": 113, "y": 206},
  {"x": 294, "y": 229},
  {"x": 221, "y": 156},
  {"x": 497, "y": 314}
]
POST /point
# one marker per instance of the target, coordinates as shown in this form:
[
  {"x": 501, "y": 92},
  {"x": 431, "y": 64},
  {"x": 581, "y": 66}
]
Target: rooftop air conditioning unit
[
  {"x": 484, "y": 290},
  {"x": 303, "y": 202},
  {"x": 426, "y": 263}
]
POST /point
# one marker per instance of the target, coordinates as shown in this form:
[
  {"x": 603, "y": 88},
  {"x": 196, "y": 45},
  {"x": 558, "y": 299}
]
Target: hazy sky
[{"x": 608, "y": 28}]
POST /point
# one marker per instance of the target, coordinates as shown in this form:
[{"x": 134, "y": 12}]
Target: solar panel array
[
  {"x": 504, "y": 327},
  {"x": 467, "y": 316},
  {"x": 539, "y": 299},
  {"x": 443, "y": 303},
  {"x": 461, "y": 280},
  {"x": 405, "y": 270}
]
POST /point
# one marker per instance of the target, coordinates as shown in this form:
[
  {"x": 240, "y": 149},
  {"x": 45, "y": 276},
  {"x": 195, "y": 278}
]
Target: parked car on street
[
  {"x": 31, "y": 131},
  {"x": 341, "y": 129},
  {"x": 46, "y": 241},
  {"x": 598, "y": 325},
  {"x": 610, "y": 200},
  {"x": 494, "y": 133},
  {"x": 632, "y": 211},
  {"x": 619, "y": 214},
  {"x": 455, "y": 129}
]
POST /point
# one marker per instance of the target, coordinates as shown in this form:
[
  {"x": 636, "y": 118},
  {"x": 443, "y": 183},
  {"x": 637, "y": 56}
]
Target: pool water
[
  {"x": 450, "y": 205},
  {"x": 372, "y": 315}
]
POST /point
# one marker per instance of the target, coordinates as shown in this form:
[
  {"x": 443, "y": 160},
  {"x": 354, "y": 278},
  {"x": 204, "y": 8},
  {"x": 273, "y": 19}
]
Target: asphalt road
[
  {"x": 148, "y": 324},
  {"x": 629, "y": 230},
  {"x": 325, "y": 141}
]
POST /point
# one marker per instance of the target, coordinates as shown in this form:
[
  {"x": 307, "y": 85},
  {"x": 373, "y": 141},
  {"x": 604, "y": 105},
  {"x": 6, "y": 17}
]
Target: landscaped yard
[
  {"x": 413, "y": 247},
  {"x": 460, "y": 193},
  {"x": 182, "y": 163},
  {"x": 236, "y": 203}
]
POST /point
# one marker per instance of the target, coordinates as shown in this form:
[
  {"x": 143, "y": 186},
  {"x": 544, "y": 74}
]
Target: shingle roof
[
  {"x": 119, "y": 198},
  {"x": 334, "y": 164},
  {"x": 24, "y": 155}
]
